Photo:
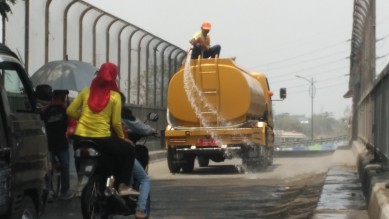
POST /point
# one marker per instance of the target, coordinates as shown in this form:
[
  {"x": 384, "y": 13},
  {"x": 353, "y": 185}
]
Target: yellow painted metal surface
[
  {"x": 233, "y": 136},
  {"x": 218, "y": 91}
]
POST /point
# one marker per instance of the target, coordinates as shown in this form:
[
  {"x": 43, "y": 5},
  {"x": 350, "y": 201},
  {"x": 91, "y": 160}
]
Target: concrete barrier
[
  {"x": 374, "y": 180},
  {"x": 157, "y": 155}
]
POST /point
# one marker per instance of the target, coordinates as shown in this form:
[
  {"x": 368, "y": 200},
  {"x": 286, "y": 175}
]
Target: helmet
[{"x": 206, "y": 25}]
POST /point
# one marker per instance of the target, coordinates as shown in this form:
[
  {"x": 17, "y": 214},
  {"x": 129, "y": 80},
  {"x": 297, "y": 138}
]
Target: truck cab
[{"x": 23, "y": 144}]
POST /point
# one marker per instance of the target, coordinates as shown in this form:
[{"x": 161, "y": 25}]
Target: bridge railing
[
  {"x": 312, "y": 142},
  {"x": 369, "y": 89},
  {"x": 40, "y": 31},
  {"x": 373, "y": 116}
]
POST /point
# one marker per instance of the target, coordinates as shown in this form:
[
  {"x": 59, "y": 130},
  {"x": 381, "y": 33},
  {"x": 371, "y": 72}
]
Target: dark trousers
[
  {"x": 211, "y": 52},
  {"x": 122, "y": 151},
  {"x": 63, "y": 159}
]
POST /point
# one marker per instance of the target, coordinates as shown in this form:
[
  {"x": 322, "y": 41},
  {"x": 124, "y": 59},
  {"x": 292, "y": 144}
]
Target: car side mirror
[
  {"x": 152, "y": 117},
  {"x": 282, "y": 93}
]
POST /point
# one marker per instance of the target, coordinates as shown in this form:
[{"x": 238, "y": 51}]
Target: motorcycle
[{"x": 96, "y": 178}]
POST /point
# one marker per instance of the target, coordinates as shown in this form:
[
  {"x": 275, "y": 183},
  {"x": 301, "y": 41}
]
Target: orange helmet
[{"x": 206, "y": 25}]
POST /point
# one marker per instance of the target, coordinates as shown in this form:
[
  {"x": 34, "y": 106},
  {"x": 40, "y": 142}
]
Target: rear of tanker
[{"x": 217, "y": 110}]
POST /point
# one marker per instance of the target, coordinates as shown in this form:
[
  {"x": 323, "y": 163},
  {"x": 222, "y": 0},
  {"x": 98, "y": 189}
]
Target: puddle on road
[
  {"x": 342, "y": 196},
  {"x": 338, "y": 196}
]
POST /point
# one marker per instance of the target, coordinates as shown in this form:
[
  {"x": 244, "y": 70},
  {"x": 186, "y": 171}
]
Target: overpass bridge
[
  {"x": 74, "y": 29},
  {"x": 369, "y": 90}
]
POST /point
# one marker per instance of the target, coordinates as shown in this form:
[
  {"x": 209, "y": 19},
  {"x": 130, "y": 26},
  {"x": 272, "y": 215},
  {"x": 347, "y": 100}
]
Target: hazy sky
[{"x": 282, "y": 38}]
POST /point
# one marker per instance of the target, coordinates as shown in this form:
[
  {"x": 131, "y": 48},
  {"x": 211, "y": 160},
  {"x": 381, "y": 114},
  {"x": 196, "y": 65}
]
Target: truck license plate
[{"x": 206, "y": 142}]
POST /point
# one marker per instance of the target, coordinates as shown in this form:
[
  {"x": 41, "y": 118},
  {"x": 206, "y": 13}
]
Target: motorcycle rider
[
  {"x": 137, "y": 127},
  {"x": 98, "y": 108}
]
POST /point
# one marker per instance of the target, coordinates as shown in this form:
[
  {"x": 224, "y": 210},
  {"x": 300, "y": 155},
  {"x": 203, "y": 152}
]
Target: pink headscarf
[{"x": 102, "y": 84}]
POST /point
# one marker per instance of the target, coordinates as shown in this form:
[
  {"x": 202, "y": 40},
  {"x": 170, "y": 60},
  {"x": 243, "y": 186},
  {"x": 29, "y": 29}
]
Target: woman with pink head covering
[{"x": 98, "y": 109}]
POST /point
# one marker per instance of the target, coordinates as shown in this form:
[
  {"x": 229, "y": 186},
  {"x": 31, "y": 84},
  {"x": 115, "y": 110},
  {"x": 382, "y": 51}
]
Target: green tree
[
  {"x": 287, "y": 122},
  {"x": 325, "y": 126},
  {"x": 5, "y": 7}
]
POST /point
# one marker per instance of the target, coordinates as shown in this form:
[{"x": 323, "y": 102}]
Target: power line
[
  {"x": 316, "y": 82},
  {"x": 303, "y": 54},
  {"x": 308, "y": 53},
  {"x": 334, "y": 85},
  {"x": 306, "y": 60},
  {"x": 324, "y": 34},
  {"x": 381, "y": 38},
  {"x": 313, "y": 67},
  {"x": 287, "y": 77},
  {"x": 296, "y": 63},
  {"x": 277, "y": 76},
  {"x": 309, "y": 75},
  {"x": 381, "y": 56},
  {"x": 318, "y": 88}
]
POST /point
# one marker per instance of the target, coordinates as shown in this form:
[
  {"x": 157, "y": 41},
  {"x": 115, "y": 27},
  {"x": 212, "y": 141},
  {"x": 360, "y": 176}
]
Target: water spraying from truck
[{"x": 216, "y": 111}]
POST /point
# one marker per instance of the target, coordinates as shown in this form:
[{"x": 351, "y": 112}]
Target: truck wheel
[
  {"x": 263, "y": 157},
  {"x": 26, "y": 211},
  {"x": 270, "y": 152},
  {"x": 189, "y": 164},
  {"x": 173, "y": 167},
  {"x": 250, "y": 164},
  {"x": 203, "y": 161}
]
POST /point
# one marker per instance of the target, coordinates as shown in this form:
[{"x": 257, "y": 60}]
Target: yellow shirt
[
  {"x": 99, "y": 124},
  {"x": 201, "y": 39}
]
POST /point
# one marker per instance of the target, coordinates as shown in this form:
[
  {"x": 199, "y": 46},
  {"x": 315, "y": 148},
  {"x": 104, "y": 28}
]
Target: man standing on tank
[{"x": 201, "y": 43}]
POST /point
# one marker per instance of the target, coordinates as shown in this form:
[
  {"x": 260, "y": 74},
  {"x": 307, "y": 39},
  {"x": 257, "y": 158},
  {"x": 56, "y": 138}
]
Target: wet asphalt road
[
  {"x": 341, "y": 196},
  {"x": 290, "y": 188}
]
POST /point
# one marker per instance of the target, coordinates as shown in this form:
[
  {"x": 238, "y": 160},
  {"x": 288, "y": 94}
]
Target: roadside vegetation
[
  {"x": 324, "y": 125},
  {"x": 5, "y": 7}
]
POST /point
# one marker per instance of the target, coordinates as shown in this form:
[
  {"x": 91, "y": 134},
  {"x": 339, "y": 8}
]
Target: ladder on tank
[{"x": 208, "y": 82}]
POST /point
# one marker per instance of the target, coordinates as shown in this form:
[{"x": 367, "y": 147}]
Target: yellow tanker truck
[{"x": 217, "y": 110}]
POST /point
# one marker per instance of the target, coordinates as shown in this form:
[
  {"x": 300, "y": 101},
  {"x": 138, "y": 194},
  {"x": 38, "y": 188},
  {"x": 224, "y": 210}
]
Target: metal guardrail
[
  {"x": 370, "y": 93},
  {"x": 77, "y": 30},
  {"x": 142, "y": 111},
  {"x": 312, "y": 142},
  {"x": 373, "y": 116}
]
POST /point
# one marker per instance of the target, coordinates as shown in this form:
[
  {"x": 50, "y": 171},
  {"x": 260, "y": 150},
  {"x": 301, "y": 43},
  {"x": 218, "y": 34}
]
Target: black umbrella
[{"x": 65, "y": 75}]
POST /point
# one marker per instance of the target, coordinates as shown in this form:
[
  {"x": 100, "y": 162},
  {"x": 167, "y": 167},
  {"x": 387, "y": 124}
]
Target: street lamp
[{"x": 312, "y": 92}]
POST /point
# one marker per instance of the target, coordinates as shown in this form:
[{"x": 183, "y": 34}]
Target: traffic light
[{"x": 282, "y": 93}]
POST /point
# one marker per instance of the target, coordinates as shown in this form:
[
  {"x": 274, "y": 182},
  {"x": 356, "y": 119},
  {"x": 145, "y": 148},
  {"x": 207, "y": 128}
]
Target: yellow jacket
[{"x": 99, "y": 124}]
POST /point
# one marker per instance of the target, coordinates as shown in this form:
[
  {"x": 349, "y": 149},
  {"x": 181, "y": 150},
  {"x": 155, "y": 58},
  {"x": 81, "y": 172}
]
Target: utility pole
[{"x": 312, "y": 92}]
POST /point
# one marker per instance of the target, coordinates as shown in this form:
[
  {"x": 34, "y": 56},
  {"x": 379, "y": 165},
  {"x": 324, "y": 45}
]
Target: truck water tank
[{"x": 221, "y": 92}]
